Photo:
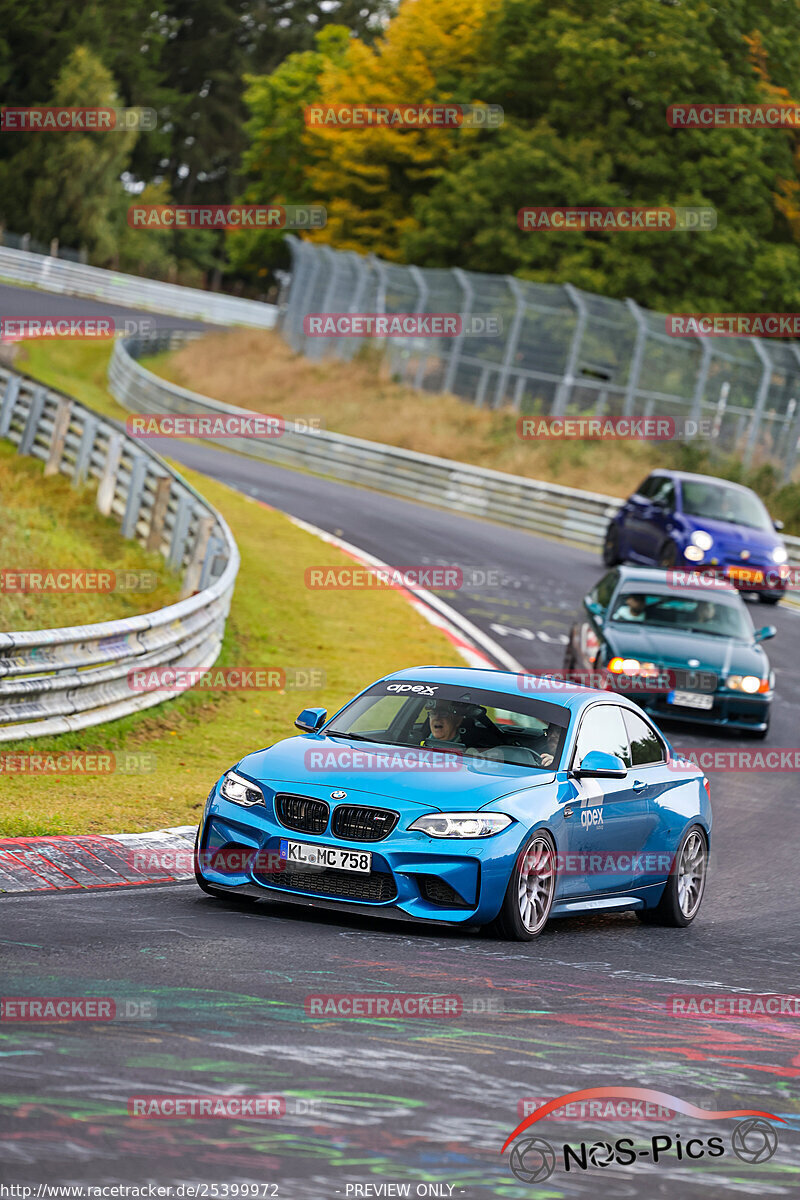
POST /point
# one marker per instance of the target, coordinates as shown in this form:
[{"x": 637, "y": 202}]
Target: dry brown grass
[{"x": 256, "y": 369}]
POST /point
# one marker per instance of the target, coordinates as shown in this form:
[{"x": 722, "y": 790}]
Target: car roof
[
  {"x": 571, "y": 696},
  {"x": 656, "y": 577},
  {"x": 695, "y": 478}
]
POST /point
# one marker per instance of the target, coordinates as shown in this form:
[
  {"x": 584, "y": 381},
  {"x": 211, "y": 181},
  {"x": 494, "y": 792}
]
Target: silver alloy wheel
[
  {"x": 692, "y": 874},
  {"x": 537, "y": 879}
]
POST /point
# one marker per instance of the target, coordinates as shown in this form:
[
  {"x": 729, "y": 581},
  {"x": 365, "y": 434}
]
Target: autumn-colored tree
[{"x": 277, "y": 163}]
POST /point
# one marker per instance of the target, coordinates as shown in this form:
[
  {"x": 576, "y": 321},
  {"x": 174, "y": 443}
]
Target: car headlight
[
  {"x": 631, "y": 666},
  {"x": 694, "y": 554},
  {"x": 779, "y": 554},
  {"x": 748, "y": 683},
  {"x": 702, "y": 539},
  {"x": 461, "y": 825},
  {"x": 241, "y": 791}
]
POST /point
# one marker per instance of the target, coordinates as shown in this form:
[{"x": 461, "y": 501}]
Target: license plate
[
  {"x": 746, "y": 574},
  {"x": 690, "y": 699},
  {"x": 326, "y": 856}
]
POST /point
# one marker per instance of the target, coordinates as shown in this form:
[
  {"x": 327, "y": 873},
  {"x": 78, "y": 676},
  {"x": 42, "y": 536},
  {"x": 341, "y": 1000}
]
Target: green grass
[
  {"x": 351, "y": 636},
  {"x": 47, "y": 524}
]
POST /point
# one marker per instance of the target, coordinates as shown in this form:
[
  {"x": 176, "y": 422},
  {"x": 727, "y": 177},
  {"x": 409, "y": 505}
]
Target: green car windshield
[
  {"x": 721, "y": 503},
  {"x": 689, "y": 614}
]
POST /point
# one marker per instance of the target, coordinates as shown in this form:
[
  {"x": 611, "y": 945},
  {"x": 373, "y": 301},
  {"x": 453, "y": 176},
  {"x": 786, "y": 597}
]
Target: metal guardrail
[
  {"x": 568, "y": 514},
  {"x": 55, "y": 680},
  {"x": 78, "y": 279}
]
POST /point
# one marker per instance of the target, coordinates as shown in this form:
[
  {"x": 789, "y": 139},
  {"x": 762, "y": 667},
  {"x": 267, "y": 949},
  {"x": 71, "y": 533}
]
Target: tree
[
  {"x": 277, "y": 162},
  {"x": 585, "y": 87},
  {"x": 73, "y": 179}
]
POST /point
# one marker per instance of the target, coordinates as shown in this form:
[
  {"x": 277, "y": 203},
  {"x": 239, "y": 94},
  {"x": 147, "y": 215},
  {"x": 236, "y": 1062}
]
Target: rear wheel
[
  {"x": 769, "y": 597},
  {"x": 668, "y": 554},
  {"x": 683, "y": 894},
  {"x": 611, "y": 546},
  {"x": 530, "y": 891}
]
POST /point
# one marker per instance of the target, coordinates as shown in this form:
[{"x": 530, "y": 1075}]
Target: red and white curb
[{"x": 66, "y": 863}]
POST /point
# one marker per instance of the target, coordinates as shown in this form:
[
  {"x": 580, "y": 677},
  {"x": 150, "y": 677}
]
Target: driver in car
[
  {"x": 447, "y": 722},
  {"x": 633, "y": 608}
]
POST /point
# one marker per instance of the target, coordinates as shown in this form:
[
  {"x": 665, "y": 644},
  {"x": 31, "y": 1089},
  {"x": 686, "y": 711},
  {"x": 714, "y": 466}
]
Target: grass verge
[
  {"x": 275, "y": 622},
  {"x": 49, "y": 525},
  {"x": 256, "y": 369}
]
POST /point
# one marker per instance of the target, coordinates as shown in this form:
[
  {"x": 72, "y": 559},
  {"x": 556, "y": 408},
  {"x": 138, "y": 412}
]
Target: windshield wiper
[
  {"x": 356, "y": 737},
  {"x": 710, "y": 632}
]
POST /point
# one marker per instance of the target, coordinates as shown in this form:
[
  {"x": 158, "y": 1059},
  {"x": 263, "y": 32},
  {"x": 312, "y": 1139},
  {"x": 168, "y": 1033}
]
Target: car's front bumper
[
  {"x": 458, "y": 881},
  {"x": 730, "y": 710}
]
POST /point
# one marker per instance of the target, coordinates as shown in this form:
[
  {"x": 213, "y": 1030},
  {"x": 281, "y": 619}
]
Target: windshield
[
  {"x": 692, "y": 614},
  {"x": 721, "y": 503},
  {"x": 478, "y": 724}
]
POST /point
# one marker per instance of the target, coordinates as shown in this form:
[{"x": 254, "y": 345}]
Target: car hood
[
  {"x": 731, "y": 539},
  {"x": 674, "y": 647},
  {"x": 319, "y": 765}
]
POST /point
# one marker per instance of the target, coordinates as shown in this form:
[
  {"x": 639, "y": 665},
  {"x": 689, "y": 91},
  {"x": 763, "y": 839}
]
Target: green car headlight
[{"x": 747, "y": 683}]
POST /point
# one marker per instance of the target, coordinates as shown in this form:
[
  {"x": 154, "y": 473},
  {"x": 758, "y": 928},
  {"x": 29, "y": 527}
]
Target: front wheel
[
  {"x": 530, "y": 892},
  {"x": 683, "y": 894},
  {"x": 769, "y": 597}
]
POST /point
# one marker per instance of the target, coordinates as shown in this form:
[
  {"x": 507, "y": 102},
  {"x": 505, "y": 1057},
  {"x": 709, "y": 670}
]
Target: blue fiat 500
[
  {"x": 675, "y": 519},
  {"x": 469, "y": 797}
]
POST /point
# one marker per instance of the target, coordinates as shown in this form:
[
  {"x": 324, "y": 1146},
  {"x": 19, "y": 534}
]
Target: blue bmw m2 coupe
[{"x": 465, "y": 797}]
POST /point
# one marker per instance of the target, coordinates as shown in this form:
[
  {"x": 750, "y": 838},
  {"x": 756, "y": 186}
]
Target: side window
[
  {"x": 664, "y": 494},
  {"x": 602, "y": 728},
  {"x": 604, "y": 590},
  {"x": 646, "y": 745},
  {"x": 648, "y": 487}
]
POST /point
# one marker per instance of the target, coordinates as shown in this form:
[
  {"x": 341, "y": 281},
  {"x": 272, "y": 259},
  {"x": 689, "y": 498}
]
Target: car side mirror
[
  {"x": 594, "y": 608},
  {"x": 599, "y": 765},
  {"x": 311, "y": 719},
  {"x": 762, "y": 635},
  {"x": 776, "y": 521}
]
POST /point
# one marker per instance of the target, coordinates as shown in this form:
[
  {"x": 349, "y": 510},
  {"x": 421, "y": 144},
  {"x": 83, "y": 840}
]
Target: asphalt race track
[{"x": 371, "y": 1102}]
